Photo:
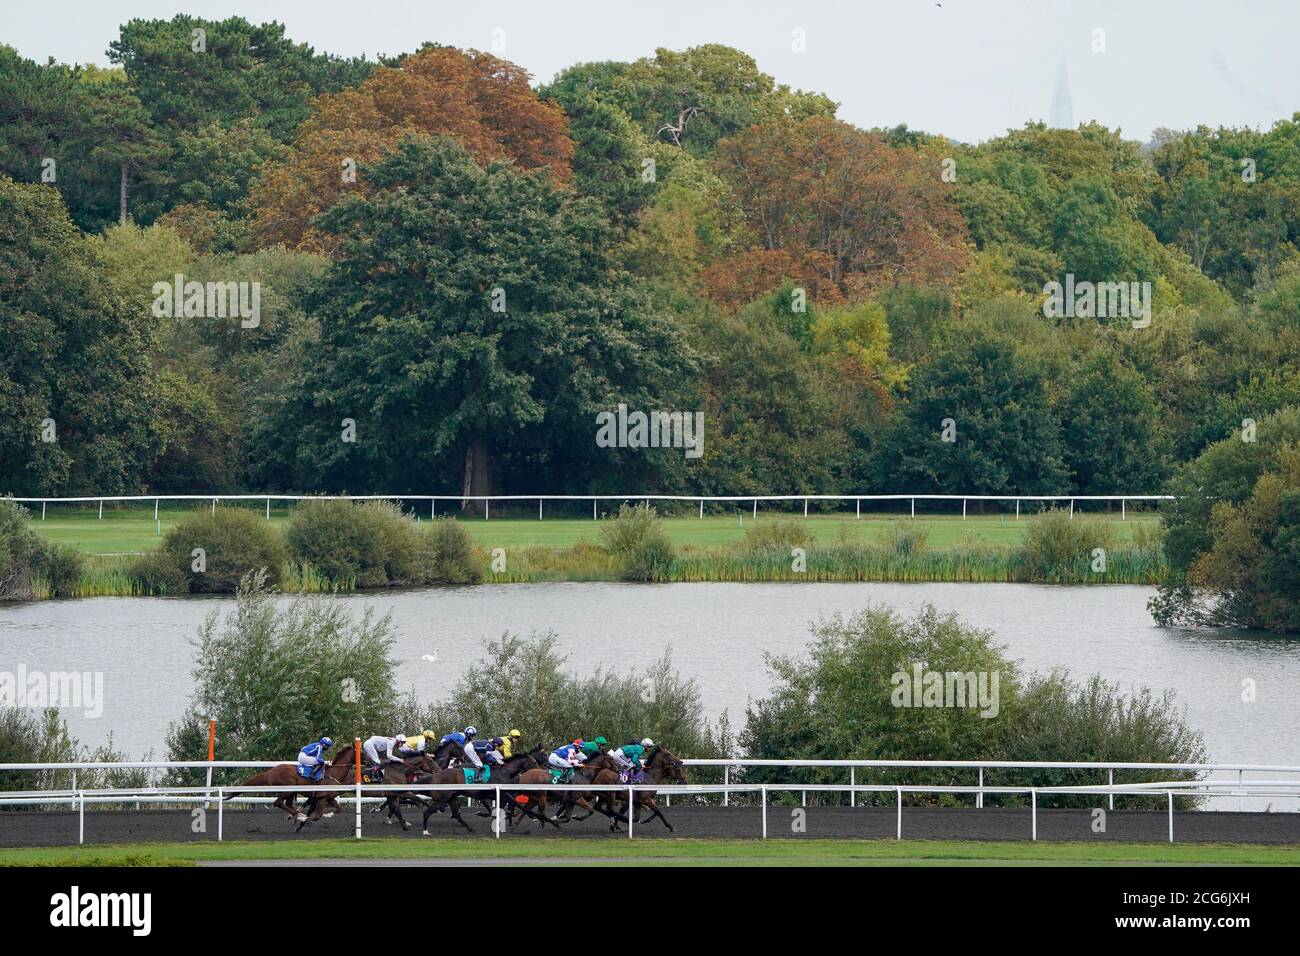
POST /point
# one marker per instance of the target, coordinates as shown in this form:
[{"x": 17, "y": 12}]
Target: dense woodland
[{"x": 682, "y": 232}]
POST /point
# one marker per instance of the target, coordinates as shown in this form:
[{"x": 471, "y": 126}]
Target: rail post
[
  {"x": 74, "y": 785},
  {"x": 155, "y": 509},
  {"x": 853, "y": 782},
  {"x": 593, "y": 509},
  {"x": 496, "y": 814},
  {"x": 1071, "y": 507},
  {"x": 81, "y": 816},
  {"x": 979, "y": 797},
  {"x": 755, "y": 507},
  {"x": 963, "y": 509},
  {"x": 1241, "y": 796},
  {"x": 356, "y": 753},
  {"x": 859, "y": 513},
  {"x": 101, "y": 509},
  {"x": 221, "y": 809},
  {"x": 726, "y": 782},
  {"x": 487, "y": 509},
  {"x": 631, "y": 810},
  {"x": 1171, "y": 815},
  {"x": 898, "y": 833},
  {"x": 42, "y": 510},
  {"x": 913, "y": 507},
  {"x": 763, "y": 803},
  {"x": 805, "y": 507},
  {"x": 701, "y": 507},
  {"x": 539, "y": 509},
  {"x": 1033, "y": 814},
  {"x": 1123, "y": 509},
  {"x": 268, "y": 509},
  {"x": 1017, "y": 509},
  {"x": 1111, "y": 778}
]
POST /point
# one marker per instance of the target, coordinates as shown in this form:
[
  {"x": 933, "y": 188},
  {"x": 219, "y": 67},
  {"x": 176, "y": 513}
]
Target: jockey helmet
[
  {"x": 497, "y": 741},
  {"x": 471, "y": 731},
  {"x": 326, "y": 742},
  {"x": 647, "y": 743},
  {"x": 600, "y": 740},
  {"x": 514, "y": 733},
  {"x": 400, "y": 738},
  {"x": 428, "y": 733}
]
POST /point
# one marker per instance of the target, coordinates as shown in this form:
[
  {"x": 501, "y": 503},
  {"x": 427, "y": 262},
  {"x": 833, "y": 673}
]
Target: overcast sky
[{"x": 968, "y": 68}]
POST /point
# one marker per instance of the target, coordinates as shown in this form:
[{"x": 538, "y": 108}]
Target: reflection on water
[{"x": 719, "y": 634}]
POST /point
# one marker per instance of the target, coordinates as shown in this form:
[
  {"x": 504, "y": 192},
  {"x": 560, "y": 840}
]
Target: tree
[
  {"x": 483, "y": 102},
  {"x": 1111, "y": 435},
  {"x": 878, "y": 213},
  {"x": 471, "y": 326},
  {"x": 78, "y": 400},
  {"x": 977, "y": 420}
]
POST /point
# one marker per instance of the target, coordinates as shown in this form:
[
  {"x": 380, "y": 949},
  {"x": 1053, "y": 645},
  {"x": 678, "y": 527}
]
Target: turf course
[
  {"x": 673, "y": 852},
  {"x": 132, "y": 529}
]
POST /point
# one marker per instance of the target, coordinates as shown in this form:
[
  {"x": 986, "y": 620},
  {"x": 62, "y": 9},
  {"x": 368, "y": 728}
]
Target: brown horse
[
  {"x": 286, "y": 774},
  {"x": 509, "y": 771},
  {"x": 601, "y": 765},
  {"x": 413, "y": 770},
  {"x": 662, "y": 765}
]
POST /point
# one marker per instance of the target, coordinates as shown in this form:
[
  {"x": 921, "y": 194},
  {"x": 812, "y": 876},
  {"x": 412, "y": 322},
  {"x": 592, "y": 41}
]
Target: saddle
[{"x": 314, "y": 774}]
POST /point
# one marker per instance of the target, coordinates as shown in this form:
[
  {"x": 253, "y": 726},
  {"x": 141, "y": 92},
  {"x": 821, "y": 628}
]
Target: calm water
[{"x": 718, "y": 634}]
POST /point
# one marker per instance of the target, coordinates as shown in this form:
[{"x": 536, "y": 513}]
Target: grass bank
[{"x": 672, "y": 852}]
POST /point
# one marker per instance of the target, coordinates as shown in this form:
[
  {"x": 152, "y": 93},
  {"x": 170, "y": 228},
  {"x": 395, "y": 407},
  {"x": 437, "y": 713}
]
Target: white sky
[{"x": 970, "y": 68}]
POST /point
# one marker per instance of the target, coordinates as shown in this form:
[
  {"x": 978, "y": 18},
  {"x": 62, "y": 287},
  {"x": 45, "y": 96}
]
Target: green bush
[
  {"x": 637, "y": 539},
  {"x": 60, "y": 567},
  {"x": 339, "y": 540},
  {"x": 906, "y": 538},
  {"x": 780, "y": 534},
  {"x": 1058, "y": 548},
  {"x": 234, "y": 541},
  {"x": 20, "y": 548},
  {"x": 154, "y": 572},
  {"x": 454, "y": 556}
]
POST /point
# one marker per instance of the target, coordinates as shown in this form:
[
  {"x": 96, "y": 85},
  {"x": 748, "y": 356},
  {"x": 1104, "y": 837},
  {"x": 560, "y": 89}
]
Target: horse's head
[
  {"x": 668, "y": 764},
  {"x": 345, "y": 757}
]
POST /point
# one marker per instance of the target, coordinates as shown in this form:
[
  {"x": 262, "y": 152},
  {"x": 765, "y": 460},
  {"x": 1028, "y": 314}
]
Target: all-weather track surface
[{"x": 49, "y": 828}]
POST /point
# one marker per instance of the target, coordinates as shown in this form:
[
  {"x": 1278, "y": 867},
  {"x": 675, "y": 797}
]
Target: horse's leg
[
  {"x": 655, "y": 812},
  {"x": 396, "y": 808},
  {"x": 455, "y": 813},
  {"x": 436, "y": 804}
]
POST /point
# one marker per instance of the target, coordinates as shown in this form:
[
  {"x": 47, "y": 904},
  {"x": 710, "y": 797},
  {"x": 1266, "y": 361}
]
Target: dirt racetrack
[{"x": 60, "y": 827}]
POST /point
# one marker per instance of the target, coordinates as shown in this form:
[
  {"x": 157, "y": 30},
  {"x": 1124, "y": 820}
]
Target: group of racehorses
[{"x": 446, "y": 766}]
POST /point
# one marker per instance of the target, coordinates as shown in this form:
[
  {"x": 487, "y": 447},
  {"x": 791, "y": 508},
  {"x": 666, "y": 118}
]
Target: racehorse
[
  {"x": 661, "y": 765},
  {"x": 509, "y": 771},
  {"x": 419, "y": 769},
  {"x": 286, "y": 774},
  {"x": 597, "y": 767}
]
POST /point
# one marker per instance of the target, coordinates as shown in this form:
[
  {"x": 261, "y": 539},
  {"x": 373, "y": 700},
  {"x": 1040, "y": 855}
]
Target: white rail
[{"x": 487, "y": 500}]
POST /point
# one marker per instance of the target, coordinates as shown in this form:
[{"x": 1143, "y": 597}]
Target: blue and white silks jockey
[
  {"x": 311, "y": 759},
  {"x": 466, "y": 741}
]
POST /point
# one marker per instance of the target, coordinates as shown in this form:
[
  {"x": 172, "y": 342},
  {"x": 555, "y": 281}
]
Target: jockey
[
  {"x": 633, "y": 754},
  {"x": 592, "y": 747},
  {"x": 568, "y": 756},
  {"x": 509, "y": 742},
  {"x": 490, "y": 750},
  {"x": 416, "y": 743},
  {"x": 311, "y": 759},
  {"x": 388, "y": 745},
  {"x": 466, "y": 741}
]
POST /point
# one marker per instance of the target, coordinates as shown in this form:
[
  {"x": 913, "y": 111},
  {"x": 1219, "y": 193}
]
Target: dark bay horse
[
  {"x": 600, "y": 769},
  {"x": 662, "y": 765},
  {"x": 286, "y": 774},
  {"x": 509, "y": 771}
]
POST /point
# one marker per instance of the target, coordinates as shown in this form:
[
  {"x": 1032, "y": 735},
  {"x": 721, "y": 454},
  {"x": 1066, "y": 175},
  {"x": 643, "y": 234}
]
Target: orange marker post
[{"x": 212, "y": 752}]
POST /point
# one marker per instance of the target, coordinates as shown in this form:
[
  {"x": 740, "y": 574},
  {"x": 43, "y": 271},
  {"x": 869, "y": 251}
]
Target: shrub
[
  {"x": 275, "y": 676},
  {"x": 778, "y": 534},
  {"x": 1057, "y": 547},
  {"x": 454, "y": 557},
  {"x": 234, "y": 541},
  {"x": 19, "y": 548},
  {"x": 339, "y": 540},
  {"x": 637, "y": 539},
  {"x": 906, "y": 538},
  {"x": 60, "y": 567},
  {"x": 154, "y": 572}
]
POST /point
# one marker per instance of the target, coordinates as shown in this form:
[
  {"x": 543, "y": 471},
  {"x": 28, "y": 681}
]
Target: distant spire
[{"x": 1062, "y": 106}]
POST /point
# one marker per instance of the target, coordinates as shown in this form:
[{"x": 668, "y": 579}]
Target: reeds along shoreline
[{"x": 110, "y": 577}]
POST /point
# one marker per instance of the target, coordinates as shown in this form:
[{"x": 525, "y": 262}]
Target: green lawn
[
  {"x": 674, "y": 852},
  {"x": 132, "y": 528}
]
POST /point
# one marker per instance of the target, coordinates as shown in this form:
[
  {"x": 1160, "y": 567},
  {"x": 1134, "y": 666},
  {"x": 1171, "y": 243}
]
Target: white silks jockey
[
  {"x": 381, "y": 744},
  {"x": 570, "y": 755}
]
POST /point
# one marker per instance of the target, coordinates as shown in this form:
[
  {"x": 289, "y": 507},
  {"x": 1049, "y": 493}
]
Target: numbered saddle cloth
[
  {"x": 313, "y": 774},
  {"x": 559, "y": 776},
  {"x": 632, "y": 775},
  {"x": 477, "y": 776},
  {"x": 371, "y": 775}
]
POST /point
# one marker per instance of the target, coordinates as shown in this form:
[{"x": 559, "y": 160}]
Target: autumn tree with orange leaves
[
  {"x": 483, "y": 102},
  {"x": 827, "y": 202}
]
